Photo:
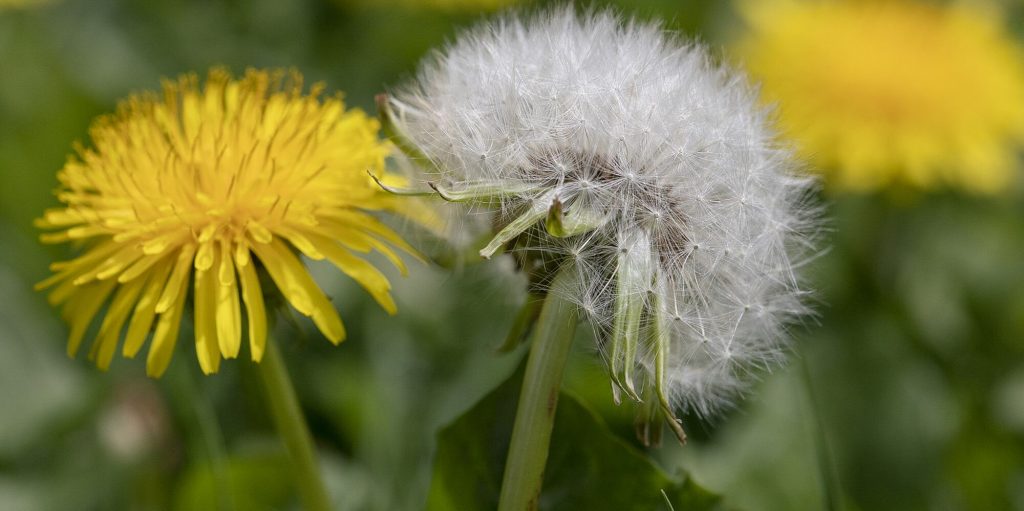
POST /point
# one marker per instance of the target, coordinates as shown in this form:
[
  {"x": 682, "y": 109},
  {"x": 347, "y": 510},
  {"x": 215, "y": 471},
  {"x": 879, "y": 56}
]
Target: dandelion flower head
[
  {"x": 207, "y": 188},
  {"x": 631, "y": 158},
  {"x": 892, "y": 92}
]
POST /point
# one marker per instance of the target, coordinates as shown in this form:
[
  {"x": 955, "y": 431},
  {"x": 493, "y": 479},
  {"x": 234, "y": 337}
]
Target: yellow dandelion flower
[
  {"x": 896, "y": 92},
  {"x": 208, "y": 187}
]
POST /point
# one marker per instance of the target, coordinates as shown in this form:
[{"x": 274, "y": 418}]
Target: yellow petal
[
  {"x": 298, "y": 287},
  {"x": 204, "y": 256},
  {"x": 415, "y": 209},
  {"x": 287, "y": 273},
  {"x": 110, "y": 330},
  {"x": 89, "y": 259},
  {"x": 254, "y": 310},
  {"x": 112, "y": 266},
  {"x": 372, "y": 225},
  {"x": 49, "y": 281},
  {"x": 63, "y": 292},
  {"x": 74, "y": 233},
  {"x": 139, "y": 267},
  {"x": 259, "y": 233},
  {"x": 82, "y": 307},
  {"x": 363, "y": 242},
  {"x": 59, "y": 217},
  {"x": 351, "y": 237},
  {"x": 301, "y": 242},
  {"x": 179, "y": 275},
  {"x": 229, "y": 314},
  {"x": 145, "y": 309},
  {"x": 166, "y": 334},
  {"x": 241, "y": 253},
  {"x": 159, "y": 244},
  {"x": 205, "y": 313},
  {"x": 359, "y": 270}
]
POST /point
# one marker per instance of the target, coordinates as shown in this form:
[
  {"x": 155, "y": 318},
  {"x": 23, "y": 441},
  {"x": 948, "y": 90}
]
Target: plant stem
[
  {"x": 195, "y": 403},
  {"x": 535, "y": 415},
  {"x": 830, "y": 488},
  {"x": 291, "y": 425}
]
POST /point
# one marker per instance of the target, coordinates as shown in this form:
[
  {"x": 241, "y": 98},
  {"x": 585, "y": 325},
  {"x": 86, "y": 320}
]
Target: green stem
[
  {"x": 291, "y": 425},
  {"x": 830, "y": 488},
  {"x": 535, "y": 415},
  {"x": 214, "y": 440},
  {"x": 197, "y": 406}
]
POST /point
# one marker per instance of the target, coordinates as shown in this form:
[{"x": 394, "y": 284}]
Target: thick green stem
[
  {"x": 291, "y": 425},
  {"x": 535, "y": 415}
]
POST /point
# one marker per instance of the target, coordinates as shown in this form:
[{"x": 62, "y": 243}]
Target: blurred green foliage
[{"x": 905, "y": 392}]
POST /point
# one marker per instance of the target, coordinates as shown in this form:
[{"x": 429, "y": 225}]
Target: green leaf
[{"x": 589, "y": 468}]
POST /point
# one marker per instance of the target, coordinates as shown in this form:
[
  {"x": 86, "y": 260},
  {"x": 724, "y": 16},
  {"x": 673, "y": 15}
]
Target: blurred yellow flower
[
  {"x": 207, "y": 178},
  {"x": 439, "y": 5},
  {"x": 892, "y": 92}
]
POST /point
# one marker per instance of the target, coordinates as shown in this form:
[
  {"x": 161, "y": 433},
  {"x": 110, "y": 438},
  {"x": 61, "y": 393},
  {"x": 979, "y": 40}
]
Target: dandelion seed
[
  {"x": 892, "y": 93},
  {"x": 633, "y": 157},
  {"x": 196, "y": 193}
]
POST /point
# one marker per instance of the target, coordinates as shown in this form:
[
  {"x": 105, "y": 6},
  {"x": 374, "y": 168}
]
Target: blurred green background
[{"x": 905, "y": 392}]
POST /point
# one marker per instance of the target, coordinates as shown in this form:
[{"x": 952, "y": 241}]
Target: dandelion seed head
[{"x": 648, "y": 166}]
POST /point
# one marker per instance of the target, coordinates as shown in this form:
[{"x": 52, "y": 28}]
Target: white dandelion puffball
[{"x": 634, "y": 159}]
